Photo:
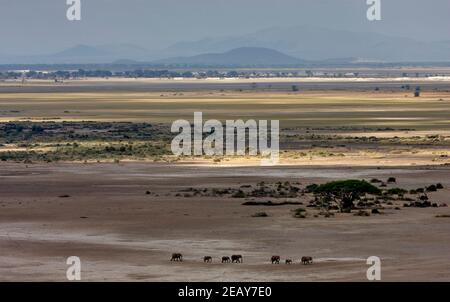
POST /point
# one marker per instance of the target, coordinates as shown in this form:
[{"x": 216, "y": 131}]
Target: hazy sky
[{"x": 40, "y": 26}]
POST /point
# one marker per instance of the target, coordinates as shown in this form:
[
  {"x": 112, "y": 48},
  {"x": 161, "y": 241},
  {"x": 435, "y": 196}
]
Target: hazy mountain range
[
  {"x": 85, "y": 54},
  {"x": 313, "y": 43},
  {"x": 274, "y": 46},
  {"x": 242, "y": 56}
]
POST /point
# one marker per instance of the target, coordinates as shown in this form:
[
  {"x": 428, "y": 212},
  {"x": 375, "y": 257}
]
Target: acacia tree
[{"x": 345, "y": 192}]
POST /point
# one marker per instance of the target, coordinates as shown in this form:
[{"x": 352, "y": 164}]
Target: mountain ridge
[
  {"x": 316, "y": 43},
  {"x": 242, "y": 56},
  {"x": 304, "y": 43}
]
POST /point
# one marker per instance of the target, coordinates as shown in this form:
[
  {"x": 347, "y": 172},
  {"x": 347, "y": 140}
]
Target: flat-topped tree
[{"x": 345, "y": 192}]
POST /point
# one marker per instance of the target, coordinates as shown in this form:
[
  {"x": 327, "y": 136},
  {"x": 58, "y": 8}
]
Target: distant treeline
[
  {"x": 141, "y": 73},
  {"x": 60, "y": 75}
]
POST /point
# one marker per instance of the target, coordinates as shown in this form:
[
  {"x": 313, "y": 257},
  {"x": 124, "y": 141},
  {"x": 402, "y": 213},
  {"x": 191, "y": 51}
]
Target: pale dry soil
[{"x": 120, "y": 233}]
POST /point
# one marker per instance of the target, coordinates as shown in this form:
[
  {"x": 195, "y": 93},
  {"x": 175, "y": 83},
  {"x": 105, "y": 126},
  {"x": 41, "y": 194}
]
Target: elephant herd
[
  {"x": 239, "y": 259},
  {"x": 305, "y": 260}
]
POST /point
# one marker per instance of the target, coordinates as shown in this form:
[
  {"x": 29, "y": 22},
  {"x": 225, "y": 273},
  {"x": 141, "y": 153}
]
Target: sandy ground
[
  {"x": 120, "y": 233},
  {"x": 237, "y": 84}
]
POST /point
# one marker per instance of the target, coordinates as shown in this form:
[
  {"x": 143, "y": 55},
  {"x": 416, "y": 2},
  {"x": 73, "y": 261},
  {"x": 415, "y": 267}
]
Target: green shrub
[{"x": 345, "y": 192}]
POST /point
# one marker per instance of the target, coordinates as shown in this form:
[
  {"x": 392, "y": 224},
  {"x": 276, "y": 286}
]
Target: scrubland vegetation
[
  {"x": 78, "y": 141},
  {"x": 91, "y": 141},
  {"x": 360, "y": 197}
]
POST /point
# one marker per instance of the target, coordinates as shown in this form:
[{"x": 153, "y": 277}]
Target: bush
[
  {"x": 238, "y": 194},
  {"x": 260, "y": 214},
  {"x": 397, "y": 191},
  {"x": 299, "y": 213},
  {"x": 432, "y": 188},
  {"x": 423, "y": 197},
  {"x": 392, "y": 180},
  {"x": 311, "y": 188}
]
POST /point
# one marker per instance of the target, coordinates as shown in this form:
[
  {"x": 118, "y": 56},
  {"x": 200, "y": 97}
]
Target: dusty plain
[{"x": 124, "y": 215}]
